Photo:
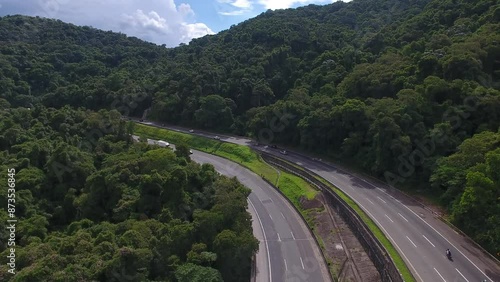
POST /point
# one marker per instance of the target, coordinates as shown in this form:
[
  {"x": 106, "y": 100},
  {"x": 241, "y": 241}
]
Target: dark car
[{"x": 274, "y": 146}]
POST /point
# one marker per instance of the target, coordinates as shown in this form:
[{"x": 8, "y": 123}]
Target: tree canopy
[
  {"x": 398, "y": 88},
  {"x": 111, "y": 209}
]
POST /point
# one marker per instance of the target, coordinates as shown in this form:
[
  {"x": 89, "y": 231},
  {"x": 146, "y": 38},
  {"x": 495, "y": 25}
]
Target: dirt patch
[
  {"x": 310, "y": 204},
  {"x": 345, "y": 256}
]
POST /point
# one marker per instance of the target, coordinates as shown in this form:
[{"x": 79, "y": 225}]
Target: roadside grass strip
[
  {"x": 377, "y": 232},
  {"x": 293, "y": 187}
]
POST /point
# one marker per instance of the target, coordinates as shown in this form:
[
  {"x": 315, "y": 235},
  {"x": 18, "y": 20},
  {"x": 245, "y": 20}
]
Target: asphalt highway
[
  {"x": 292, "y": 253},
  {"x": 415, "y": 232},
  {"x": 287, "y": 250},
  {"x": 420, "y": 237}
]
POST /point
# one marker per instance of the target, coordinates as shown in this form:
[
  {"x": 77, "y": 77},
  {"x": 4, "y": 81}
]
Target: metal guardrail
[
  {"x": 377, "y": 253},
  {"x": 305, "y": 222}
]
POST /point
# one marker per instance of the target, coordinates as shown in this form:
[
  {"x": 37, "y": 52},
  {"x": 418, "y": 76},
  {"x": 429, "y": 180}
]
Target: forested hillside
[
  {"x": 407, "y": 90},
  {"x": 93, "y": 206}
]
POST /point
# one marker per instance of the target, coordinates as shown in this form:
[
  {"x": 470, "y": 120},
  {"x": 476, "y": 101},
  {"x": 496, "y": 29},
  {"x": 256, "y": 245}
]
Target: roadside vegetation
[
  {"x": 401, "y": 89},
  {"x": 293, "y": 187},
  {"x": 91, "y": 205}
]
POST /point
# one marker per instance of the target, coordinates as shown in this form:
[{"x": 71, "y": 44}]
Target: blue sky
[{"x": 168, "y": 22}]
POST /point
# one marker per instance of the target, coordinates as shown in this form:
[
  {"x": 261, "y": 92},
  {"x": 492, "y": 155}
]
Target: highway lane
[
  {"x": 418, "y": 236},
  {"x": 287, "y": 250},
  {"x": 416, "y": 233},
  {"x": 293, "y": 253},
  {"x": 286, "y": 243}
]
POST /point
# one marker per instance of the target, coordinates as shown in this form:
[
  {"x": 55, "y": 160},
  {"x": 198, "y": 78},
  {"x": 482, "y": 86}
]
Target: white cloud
[
  {"x": 185, "y": 9},
  {"x": 233, "y": 13},
  {"x": 234, "y": 7},
  {"x": 153, "y": 27},
  {"x": 195, "y": 30},
  {"x": 248, "y": 6},
  {"x": 158, "y": 21},
  {"x": 283, "y": 4},
  {"x": 245, "y": 4}
]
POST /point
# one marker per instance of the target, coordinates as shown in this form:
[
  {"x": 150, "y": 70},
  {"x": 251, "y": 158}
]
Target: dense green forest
[
  {"x": 407, "y": 90},
  {"x": 103, "y": 208}
]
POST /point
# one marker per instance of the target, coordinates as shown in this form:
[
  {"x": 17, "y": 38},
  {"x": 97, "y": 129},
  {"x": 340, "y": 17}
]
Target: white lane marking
[
  {"x": 411, "y": 241},
  {"x": 394, "y": 242},
  {"x": 279, "y": 239},
  {"x": 389, "y": 218},
  {"x": 381, "y": 200},
  {"x": 379, "y": 188},
  {"x": 292, "y": 235},
  {"x": 301, "y": 262},
  {"x": 403, "y": 217},
  {"x": 461, "y": 274},
  {"x": 370, "y": 201},
  {"x": 270, "y": 216},
  {"x": 449, "y": 243},
  {"x": 282, "y": 215},
  {"x": 265, "y": 241},
  {"x": 286, "y": 266},
  {"x": 439, "y": 274},
  {"x": 428, "y": 240}
]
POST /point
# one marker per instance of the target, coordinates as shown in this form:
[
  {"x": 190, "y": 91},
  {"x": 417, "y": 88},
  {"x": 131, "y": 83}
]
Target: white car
[
  {"x": 191, "y": 131},
  {"x": 217, "y": 138},
  {"x": 283, "y": 152},
  {"x": 162, "y": 143}
]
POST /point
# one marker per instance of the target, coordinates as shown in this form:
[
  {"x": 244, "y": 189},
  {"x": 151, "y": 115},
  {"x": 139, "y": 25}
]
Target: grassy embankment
[
  {"x": 398, "y": 260},
  {"x": 292, "y": 186}
]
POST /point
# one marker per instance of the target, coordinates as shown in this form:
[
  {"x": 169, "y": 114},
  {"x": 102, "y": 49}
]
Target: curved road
[
  {"x": 417, "y": 234},
  {"x": 291, "y": 252},
  {"x": 287, "y": 250}
]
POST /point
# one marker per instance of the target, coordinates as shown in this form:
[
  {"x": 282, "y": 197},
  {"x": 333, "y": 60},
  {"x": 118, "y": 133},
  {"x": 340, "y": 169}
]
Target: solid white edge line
[
  {"x": 449, "y": 243},
  {"x": 439, "y": 274},
  {"x": 428, "y": 240},
  {"x": 265, "y": 241},
  {"x": 411, "y": 241},
  {"x": 394, "y": 242},
  {"x": 301, "y": 262},
  {"x": 437, "y": 233},
  {"x": 461, "y": 274},
  {"x": 326, "y": 166}
]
